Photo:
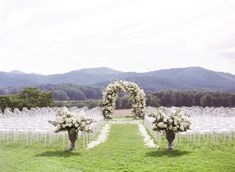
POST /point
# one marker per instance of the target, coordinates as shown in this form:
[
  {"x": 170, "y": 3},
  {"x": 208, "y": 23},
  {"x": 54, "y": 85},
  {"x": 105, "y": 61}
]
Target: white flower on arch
[{"x": 137, "y": 97}]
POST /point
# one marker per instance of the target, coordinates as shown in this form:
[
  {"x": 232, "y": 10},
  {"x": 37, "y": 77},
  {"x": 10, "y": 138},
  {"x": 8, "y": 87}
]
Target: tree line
[
  {"x": 91, "y": 97},
  {"x": 83, "y": 94},
  {"x": 62, "y": 92},
  {"x": 191, "y": 98},
  {"x": 29, "y": 97},
  {"x": 169, "y": 98},
  {"x": 65, "y": 92}
]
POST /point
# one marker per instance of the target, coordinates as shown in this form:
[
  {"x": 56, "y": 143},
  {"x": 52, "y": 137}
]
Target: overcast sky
[{"x": 53, "y": 36}]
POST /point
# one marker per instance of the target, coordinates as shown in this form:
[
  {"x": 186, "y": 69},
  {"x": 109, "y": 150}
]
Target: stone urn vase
[
  {"x": 170, "y": 136},
  {"x": 73, "y": 136}
]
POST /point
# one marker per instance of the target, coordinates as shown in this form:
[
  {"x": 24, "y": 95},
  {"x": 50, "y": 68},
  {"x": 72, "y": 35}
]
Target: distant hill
[
  {"x": 171, "y": 79},
  {"x": 99, "y": 71},
  {"x": 180, "y": 79},
  {"x": 194, "y": 78},
  {"x": 16, "y": 72}
]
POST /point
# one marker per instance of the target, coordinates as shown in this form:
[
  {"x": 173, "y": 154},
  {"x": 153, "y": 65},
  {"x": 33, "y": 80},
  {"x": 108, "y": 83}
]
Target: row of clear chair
[
  {"x": 32, "y": 125},
  {"x": 206, "y": 124}
]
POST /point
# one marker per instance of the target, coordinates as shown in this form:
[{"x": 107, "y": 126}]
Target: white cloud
[{"x": 58, "y": 36}]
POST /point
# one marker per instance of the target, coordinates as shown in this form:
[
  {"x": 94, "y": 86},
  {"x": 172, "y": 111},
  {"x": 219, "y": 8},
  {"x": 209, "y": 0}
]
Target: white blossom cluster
[
  {"x": 148, "y": 141},
  {"x": 103, "y": 136},
  {"x": 66, "y": 121},
  {"x": 137, "y": 97},
  {"x": 175, "y": 121}
]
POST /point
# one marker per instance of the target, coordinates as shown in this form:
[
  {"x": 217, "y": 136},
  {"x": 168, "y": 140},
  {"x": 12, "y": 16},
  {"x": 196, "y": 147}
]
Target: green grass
[{"x": 123, "y": 151}]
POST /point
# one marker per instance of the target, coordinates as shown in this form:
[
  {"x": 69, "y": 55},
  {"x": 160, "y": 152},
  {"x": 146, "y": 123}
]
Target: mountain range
[{"x": 171, "y": 79}]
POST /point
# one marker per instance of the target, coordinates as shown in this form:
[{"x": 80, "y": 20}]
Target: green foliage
[
  {"x": 152, "y": 100},
  {"x": 191, "y": 98},
  {"x": 123, "y": 102},
  {"x": 123, "y": 151},
  {"x": 65, "y": 92},
  {"x": 167, "y": 98},
  {"x": 29, "y": 97},
  {"x": 74, "y": 95}
]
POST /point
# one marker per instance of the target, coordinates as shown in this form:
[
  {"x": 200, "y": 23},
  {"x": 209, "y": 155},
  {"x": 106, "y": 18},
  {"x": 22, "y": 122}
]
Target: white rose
[
  {"x": 164, "y": 116},
  {"x": 174, "y": 128},
  {"x": 158, "y": 117},
  {"x": 160, "y": 124},
  {"x": 82, "y": 124},
  {"x": 165, "y": 120},
  {"x": 187, "y": 119},
  {"x": 67, "y": 120},
  {"x": 181, "y": 128},
  {"x": 74, "y": 120},
  {"x": 60, "y": 121},
  {"x": 185, "y": 125}
]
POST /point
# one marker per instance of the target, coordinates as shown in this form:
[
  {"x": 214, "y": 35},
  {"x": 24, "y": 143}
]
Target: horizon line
[{"x": 121, "y": 71}]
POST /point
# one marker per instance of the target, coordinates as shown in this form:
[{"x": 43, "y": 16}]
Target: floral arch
[{"x": 137, "y": 97}]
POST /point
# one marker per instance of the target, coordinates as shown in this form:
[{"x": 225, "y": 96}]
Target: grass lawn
[{"x": 123, "y": 151}]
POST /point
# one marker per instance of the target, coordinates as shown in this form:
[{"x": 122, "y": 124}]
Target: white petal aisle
[
  {"x": 148, "y": 141},
  {"x": 103, "y": 136}
]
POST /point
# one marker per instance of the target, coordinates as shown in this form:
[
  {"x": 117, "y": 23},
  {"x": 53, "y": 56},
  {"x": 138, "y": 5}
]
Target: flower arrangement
[
  {"x": 175, "y": 122},
  {"x": 170, "y": 123},
  {"x": 137, "y": 96},
  {"x": 67, "y": 121}
]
